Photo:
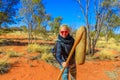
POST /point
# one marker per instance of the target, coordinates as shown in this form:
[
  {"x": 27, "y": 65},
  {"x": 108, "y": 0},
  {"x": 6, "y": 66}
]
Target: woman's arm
[{"x": 59, "y": 53}]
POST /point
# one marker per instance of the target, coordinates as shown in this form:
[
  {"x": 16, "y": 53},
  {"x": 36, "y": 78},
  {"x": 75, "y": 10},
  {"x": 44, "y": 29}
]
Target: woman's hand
[{"x": 64, "y": 64}]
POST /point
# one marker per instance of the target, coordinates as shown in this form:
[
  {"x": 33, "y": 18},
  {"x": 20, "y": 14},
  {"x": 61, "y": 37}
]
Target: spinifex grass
[
  {"x": 103, "y": 54},
  {"x": 4, "y": 65}
]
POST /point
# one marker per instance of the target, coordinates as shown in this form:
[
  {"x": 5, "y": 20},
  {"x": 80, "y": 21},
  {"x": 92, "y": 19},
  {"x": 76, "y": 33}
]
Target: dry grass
[
  {"x": 38, "y": 48},
  {"x": 111, "y": 44},
  {"x": 47, "y": 57},
  {"x": 43, "y": 50},
  {"x": 18, "y": 33},
  {"x": 33, "y": 48},
  {"x": 4, "y": 64},
  {"x": 103, "y": 54},
  {"x": 14, "y": 54},
  {"x": 106, "y": 49}
]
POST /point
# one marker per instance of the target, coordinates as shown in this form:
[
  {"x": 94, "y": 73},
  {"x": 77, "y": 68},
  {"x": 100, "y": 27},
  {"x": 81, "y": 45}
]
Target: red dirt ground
[{"x": 25, "y": 69}]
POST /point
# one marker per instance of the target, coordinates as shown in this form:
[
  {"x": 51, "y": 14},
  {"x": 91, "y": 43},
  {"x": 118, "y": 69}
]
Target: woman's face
[{"x": 64, "y": 32}]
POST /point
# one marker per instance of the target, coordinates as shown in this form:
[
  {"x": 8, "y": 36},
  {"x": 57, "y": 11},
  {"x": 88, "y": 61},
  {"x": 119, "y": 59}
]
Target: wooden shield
[{"x": 80, "y": 49}]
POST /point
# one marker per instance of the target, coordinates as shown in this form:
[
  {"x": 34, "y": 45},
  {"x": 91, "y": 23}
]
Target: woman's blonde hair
[{"x": 65, "y": 26}]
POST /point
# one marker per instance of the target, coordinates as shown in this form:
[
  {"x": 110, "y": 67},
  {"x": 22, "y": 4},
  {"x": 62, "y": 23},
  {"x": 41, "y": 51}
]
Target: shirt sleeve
[{"x": 59, "y": 53}]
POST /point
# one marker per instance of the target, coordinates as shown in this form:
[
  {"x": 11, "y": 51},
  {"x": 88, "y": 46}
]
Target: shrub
[
  {"x": 115, "y": 46},
  {"x": 13, "y": 54},
  {"x": 38, "y": 48},
  {"x": 105, "y": 55},
  {"x": 44, "y": 53},
  {"x": 48, "y": 57},
  {"x": 4, "y": 65},
  {"x": 33, "y": 48},
  {"x": 101, "y": 44}
]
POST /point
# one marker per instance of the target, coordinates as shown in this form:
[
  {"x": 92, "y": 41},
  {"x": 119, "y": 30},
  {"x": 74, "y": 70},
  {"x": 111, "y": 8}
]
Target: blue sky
[{"x": 68, "y": 9}]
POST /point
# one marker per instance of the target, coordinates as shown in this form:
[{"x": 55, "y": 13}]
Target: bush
[
  {"x": 105, "y": 55},
  {"x": 38, "y": 48},
  {"x": 13, "y": 54},
  {"x": 44, "y": 53},
  {"x": 33, "y": 48},
  {"x": 4, "y": 65},
  {"x": 48, "y": 57}
]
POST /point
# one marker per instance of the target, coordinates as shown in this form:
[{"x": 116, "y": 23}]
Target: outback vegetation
[{"x": 28, "y": 47}]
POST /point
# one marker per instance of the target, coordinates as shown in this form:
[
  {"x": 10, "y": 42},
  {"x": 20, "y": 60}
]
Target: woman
[{"x": 64, "y": 45}]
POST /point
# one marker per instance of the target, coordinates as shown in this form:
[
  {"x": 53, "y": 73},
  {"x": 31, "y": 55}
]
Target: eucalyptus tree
[
  {"x": 99, "y": 16},
  {"x": 8, "y": 11},
  {"x": 55, "y": 24},
  {"x": 34, "y": 15},
  {"x": 92, "y": 10},
  {"x": 102, "y": 15},
  {"x": 84, "y": 7},
  {"x": 106, "y": 15},
  {"x": 112, "y": 17},
  {"x": 3, "y": 18}
]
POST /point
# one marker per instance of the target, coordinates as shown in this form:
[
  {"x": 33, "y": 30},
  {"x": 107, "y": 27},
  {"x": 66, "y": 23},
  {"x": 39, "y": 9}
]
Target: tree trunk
[
  {"x": 30, "y": 33},
  {"x": 97, "y": 32},
  {"x": 94, "y": 41},
  {"x": 88, "y": 40},
  {"x": 106, "y": 33}
]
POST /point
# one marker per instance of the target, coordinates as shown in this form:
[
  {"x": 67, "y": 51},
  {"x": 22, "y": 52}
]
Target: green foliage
[
  {"x": 24, "y": 28},
  {"x": 35, "y": 16},
  {"x": 8, "y": 11},
  {"x": 5, "y": 31},
  {"x": 110, "y": 34},
  {"x": 1, "y": 32},
  {"x": 36, "y": 1},
  {"x": 111, "y": 17},
  {"x": 3, "y": 17},
  {"x": 117, "y": 37},
  {"x": 92, "y": 33},
  {"x": 55, "y": 25},
  {"x": 41, "y": 31},
  {"x": 101, "y": 34}
]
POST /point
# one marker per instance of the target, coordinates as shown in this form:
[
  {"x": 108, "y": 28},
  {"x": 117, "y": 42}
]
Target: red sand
[{"x": 24, "y": 69}]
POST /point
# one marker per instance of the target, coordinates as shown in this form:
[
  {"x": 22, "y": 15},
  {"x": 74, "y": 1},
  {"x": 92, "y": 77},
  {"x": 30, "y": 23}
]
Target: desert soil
[{"x": 24, "y": 69}]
